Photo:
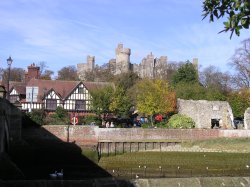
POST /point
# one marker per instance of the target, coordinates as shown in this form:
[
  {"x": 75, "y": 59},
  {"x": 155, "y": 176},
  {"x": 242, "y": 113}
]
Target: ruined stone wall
[
  {"x": 247, "y": 118},
  {"x": 202, "y": 112}
]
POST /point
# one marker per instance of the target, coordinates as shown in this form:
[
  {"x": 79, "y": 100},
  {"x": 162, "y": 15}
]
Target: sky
[{"x": 63, "y": 32}]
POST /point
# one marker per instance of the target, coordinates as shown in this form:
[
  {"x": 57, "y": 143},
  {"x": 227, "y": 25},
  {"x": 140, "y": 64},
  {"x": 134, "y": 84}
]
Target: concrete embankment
[{"x": 163, "y": 182}]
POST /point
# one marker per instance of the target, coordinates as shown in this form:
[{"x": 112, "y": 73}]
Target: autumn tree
[
  {"x": 68, "y": 73},
  {"x": 237, "y": 12},
  {"x": 154, "y": 97},
  {"x": 241, "y": 63}
]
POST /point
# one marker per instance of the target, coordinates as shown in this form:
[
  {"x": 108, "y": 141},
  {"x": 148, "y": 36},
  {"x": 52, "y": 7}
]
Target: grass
[
  {"x": 222, "y": 144},
  {"x": 177, "y": 164}
]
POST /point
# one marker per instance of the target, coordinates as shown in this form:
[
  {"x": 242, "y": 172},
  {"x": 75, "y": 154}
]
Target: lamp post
[{"x": 9, "y": 62}]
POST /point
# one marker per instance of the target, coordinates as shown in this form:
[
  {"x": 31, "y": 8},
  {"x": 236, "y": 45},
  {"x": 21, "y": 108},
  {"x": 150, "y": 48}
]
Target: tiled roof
[{"x": 63, "y": 88}]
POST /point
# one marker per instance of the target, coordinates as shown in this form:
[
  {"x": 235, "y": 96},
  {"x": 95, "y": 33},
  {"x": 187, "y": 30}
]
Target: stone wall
[
  {"x": 202, "y": 112},
  {"x": 247, "y": 118}
]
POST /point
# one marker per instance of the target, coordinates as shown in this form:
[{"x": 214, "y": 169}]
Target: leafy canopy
[
  {"x": 101, "y": 99},
  {"x": 120, "y": 102},
  {"x": 238, "y": 12},
  {"x": 186, "y": 73},
  {"x": 154, "y": 96}
]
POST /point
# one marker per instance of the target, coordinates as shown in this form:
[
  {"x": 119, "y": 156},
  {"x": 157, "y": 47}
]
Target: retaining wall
[{"x": 84, "y": 135}]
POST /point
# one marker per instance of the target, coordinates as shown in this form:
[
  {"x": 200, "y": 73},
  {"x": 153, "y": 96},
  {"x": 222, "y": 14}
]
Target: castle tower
[
  {"x": 91, "y": 62},
  {"x": 122, "y": 59},
  {"x": 82, "y": 68}
]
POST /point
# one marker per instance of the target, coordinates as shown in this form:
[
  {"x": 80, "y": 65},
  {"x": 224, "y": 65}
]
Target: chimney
[{"x": 33, "y": 72}]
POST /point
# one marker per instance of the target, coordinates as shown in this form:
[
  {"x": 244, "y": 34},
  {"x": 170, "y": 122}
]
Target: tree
[
  {"x": 186, "y": 73},
  {"x": 101, "y": 99},
  {"x": 126, "y": 80},
  {"x": 16, "y": 74},
  {"x": 238, "y": 12},
  {"x": 196, "y": 91},
  {"x": 212, "y": 78},
  {"x": 120, "y": 102},
  {"x": 241, "y": 63},
  {"x": 68, "y": 73},
  {"x": 45, "y": 74},
  {"x": 154, "y": 97},
  {"x": 100, "y": 74},
  {"x": 239, "y": 101}
]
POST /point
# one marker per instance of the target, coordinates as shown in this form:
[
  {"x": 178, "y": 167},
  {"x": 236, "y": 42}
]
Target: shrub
[
  {"x": 87, "y": 120},
  {"x": 60, "y": 117},
  {"x": 180, "y": 121},
  {"x": 38, "y": 116}
]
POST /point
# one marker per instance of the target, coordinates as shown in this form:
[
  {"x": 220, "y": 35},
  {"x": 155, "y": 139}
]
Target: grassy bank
[
  {"x": 177, "y": 164},
  {"x": 222, "y": 144},
  {"x": 185, "y": 164}
]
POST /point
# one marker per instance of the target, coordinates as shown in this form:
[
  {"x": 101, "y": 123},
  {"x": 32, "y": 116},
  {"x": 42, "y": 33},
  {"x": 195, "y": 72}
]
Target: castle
[{"x": 150, "y": 67}]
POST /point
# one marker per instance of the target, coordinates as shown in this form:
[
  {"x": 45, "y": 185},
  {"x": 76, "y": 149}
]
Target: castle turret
[
  {"x": 82, "y": 68},
  {"x": 122, "y": 59}
]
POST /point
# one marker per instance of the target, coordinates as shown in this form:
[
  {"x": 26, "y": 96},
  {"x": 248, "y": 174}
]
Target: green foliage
[
  {"x": 120, "y": 102},
  {"x": 239, "y": 101},
  {"x": 60, "y": 117},
  {"x": 236, "y": 11},
  {"x": 38, "y": 116},
  {"x": 181, "y": 121},
  {"x": 146, "y": 125},
  {"x": 101, "y": 99},
  {"x": 196, "y": 91},
  {"x": 126, "y": 80},
  {"x": 154, "y": 97},
  {"x": 186, "y": 73},
  {"x": 68, "y": 73},
  {"x": 89, "y": 119}
]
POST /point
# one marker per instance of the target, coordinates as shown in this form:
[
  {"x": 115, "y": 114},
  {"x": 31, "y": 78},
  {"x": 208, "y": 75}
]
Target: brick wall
[{"x": 91, "y": 135}]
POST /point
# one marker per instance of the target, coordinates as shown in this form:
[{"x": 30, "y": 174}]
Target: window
[
  {"x": 80, "y": 90},
  {"x": 51, "y": 104},
  {"x": 80, "y": 105}
]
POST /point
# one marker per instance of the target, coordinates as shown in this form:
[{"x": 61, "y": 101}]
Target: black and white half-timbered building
[
  {"x": 35, "y": 93},
  {"x": 73, "y": 96}
]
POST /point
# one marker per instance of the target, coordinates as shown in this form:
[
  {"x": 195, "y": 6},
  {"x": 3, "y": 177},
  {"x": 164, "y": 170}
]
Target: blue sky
[{"x": 64, "y": 32}]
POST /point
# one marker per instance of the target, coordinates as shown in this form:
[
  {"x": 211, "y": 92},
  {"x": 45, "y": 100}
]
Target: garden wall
[{"x": 84, "y": 135}]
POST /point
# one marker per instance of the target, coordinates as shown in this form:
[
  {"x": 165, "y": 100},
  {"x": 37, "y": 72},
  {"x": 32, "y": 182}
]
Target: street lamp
[{"x": 9, "y": 62}]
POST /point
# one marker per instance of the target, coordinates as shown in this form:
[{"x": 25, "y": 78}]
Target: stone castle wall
[{"x": 83, "y": 67}]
